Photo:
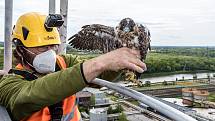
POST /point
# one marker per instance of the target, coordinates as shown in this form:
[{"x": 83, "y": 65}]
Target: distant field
[{"x": 211, "y": 97}]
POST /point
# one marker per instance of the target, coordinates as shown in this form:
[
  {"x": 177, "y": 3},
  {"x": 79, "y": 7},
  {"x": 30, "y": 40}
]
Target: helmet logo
[{"x": 49, "y": 37}]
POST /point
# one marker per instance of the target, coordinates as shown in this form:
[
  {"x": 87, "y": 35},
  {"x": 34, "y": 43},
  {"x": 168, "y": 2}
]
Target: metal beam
[
  {"x": 153, "y": 103},
  {"x": 4, "y": 114},
  {"x": 7, "y": 35},
  {"x": 63, "y": 28},
  {"x": 2, "y": 72},
  {"x": 52, "y": 6}
]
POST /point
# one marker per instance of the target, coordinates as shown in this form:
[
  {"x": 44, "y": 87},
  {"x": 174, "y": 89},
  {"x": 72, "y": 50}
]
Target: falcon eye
[{"x": 122, "y": 26}]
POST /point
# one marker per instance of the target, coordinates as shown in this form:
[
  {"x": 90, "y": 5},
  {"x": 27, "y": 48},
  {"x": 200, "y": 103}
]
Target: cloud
[{"x": 170, "y": 21}]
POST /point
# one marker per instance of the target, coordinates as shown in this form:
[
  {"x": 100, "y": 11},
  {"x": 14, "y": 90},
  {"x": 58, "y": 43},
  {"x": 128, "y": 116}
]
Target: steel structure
[
  {"x": 7, "y": 37},
  {"x": 63, "y": 28},
  {"x": 52, "y": 6}
]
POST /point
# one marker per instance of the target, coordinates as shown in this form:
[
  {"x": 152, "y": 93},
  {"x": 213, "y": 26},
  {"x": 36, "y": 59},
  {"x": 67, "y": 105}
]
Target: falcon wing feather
[
  {"x": 144, "y": 40},
  {"x": 95, "y": 37}
]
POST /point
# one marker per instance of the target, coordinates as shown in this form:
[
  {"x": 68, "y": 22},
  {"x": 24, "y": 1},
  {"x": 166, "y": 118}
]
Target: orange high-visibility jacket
[{"x": 70, "y": 108}]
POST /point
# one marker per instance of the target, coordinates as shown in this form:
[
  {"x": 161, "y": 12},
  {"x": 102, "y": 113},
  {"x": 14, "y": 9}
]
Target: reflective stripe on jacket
[{"x": 70, "y": 108}]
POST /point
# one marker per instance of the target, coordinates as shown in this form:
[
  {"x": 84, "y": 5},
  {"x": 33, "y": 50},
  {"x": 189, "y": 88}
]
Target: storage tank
[{"x": 98, "y": 114}]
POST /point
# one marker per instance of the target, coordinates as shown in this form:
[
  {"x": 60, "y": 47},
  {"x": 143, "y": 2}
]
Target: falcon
[{"x": 105, "y": 38}]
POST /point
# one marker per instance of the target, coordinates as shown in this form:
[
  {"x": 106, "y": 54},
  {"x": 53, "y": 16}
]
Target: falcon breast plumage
[{"x": 105, "y": 38}]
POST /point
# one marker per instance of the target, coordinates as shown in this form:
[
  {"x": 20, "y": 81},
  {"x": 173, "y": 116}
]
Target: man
[{"x": 43, "y": 84}]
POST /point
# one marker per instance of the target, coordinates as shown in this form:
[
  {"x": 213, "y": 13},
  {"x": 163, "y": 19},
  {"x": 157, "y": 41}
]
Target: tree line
[
  {"x": 167, "y": 59},
  {"x": 160, "y": 62},
  {"x": 188, "y": 51}
]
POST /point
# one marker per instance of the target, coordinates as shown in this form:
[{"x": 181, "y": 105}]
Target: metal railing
[
  {"x": 7, "y": 37},
  {"x": 52, "y": 6},
  {"x": 153, "y": 103}
]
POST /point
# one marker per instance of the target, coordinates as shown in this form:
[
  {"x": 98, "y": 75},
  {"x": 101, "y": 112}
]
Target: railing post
[
  {"x": 7, "y": 35},
  {"x": 52, "y": 6},
  {"x": 63, "y": 28}
]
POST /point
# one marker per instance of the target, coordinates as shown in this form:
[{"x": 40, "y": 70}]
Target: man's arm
[
  {"x": 71, "y": 59},
  {"x": 22, "y": 97}
]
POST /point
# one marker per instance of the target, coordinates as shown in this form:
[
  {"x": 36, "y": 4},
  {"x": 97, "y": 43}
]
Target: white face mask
[{"x": 45, "y": 62}]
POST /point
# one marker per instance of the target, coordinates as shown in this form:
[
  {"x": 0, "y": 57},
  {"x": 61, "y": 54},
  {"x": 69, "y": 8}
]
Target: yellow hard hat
[{"x": 31, "y": 31}]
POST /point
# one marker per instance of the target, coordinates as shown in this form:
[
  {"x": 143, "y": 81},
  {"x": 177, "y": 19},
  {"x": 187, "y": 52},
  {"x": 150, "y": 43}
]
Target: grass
[
  {"x": 211, "y": 97},
  {"x": 1, "y": 62},
  {"x": 113, "y": 98},
  {"x": 135, "y": 102},
  {"x": 179, "y": 84}
]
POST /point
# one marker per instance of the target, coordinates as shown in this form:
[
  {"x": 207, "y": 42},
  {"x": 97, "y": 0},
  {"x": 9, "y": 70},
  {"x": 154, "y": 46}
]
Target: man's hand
[{"x": 123, "y": 58}]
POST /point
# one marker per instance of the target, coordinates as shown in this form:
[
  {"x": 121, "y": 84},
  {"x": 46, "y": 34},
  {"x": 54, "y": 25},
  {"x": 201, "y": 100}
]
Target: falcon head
[{"x": 126, "y": 25}]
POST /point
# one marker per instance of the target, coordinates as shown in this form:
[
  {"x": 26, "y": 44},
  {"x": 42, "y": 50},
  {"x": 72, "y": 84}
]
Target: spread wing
[
  {"x": 95, "y": 37},
  {"x": 144, "y": 39}
]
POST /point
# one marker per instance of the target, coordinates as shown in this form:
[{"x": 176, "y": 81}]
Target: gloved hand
[{"x": 113, "y": 61}]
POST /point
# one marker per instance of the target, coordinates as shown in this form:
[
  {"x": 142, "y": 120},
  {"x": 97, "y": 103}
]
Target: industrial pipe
[
  {"x": 63, "y": 28},
  {"x": 165, "y": 109},
  {"x": 52, "y": 6},
  {"x": 7, "y": 35}
]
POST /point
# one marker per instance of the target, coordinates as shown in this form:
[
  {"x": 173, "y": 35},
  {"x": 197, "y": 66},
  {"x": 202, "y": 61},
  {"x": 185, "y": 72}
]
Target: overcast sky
[{"x": 171, "y": 22}]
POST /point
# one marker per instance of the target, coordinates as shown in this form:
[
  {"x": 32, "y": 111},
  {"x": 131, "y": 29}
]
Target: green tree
[
  {"x": 194, "y": 77},
  {"x": 92, "y": 100},
  {"x": 211, "y": 97},
  {"x": 110, "y": 110},
  {"x": 122, "y": 117},
  {"x": 164, "y": 83},
  {"x": 174, "y": 83},
  {"x": 183, "y": 78},
  {"x": 119, "y": 108},
  {"x": 147, "y": 83}
]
